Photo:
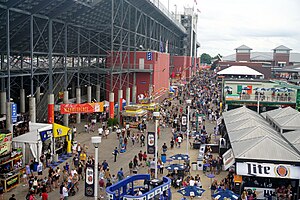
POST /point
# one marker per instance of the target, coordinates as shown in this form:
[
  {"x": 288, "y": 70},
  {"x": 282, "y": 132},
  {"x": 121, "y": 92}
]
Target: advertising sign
[
  {"x": 89, "y": 181},
  {"x": 261, "y": 193},
  {"x": 81, "y": 108},
  {"x": 5, "y": 143},
  {"x": 50, "y": 113},
  {"x": 228, "y": 159},
  {"x": 268, "y": 170},
  {"x": 14, "y": 113},
  {"x": 149, "y": 55},
  {"x": 183, "y": 123},
  {"x": 60, "y": 130},
  {"x": 151, "y": 143},
  {"x": 45, "y": 135}
]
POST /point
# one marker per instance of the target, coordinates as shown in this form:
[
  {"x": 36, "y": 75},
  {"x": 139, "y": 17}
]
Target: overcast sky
[{"x": 262, "y": 25}]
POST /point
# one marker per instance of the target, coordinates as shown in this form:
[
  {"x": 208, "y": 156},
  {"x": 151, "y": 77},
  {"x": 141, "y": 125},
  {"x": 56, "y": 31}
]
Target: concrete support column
[
  {"x": 78, "y": 100},
  {"x": 134, "y": 94},
  {"x": 150, "y": 90},
  {"x": 89, "y": 94},
  {"x": 38, "y": 94},
  {"x": 51, "y": 108},
  {"x": 66, "y": 101},
  {"x": 98, "y": 93},
  {"x": 32, "y": 109},
  {"x": 111, "y": 105},
  {"x": 8, "y": 116},
  {"x": 127, "y": 96},
  {"x": 3, "y": 103},
  {"x": 120, "y": 103},
  {"x": 22, "y": 100}
]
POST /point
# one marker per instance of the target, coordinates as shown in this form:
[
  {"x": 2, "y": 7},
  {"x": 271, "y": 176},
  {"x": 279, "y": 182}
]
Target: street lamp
[
  {"x": 96, "y": 141},
  {"x": 156, "y": 116},
  {"x": 188, "y": 102}
]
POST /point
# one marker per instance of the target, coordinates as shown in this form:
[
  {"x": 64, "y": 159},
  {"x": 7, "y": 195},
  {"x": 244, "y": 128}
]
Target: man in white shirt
[
  {"x": 65, "y": 192},
  {"x": 179, "y": 140},
  {"x": 100, "y": 131}
]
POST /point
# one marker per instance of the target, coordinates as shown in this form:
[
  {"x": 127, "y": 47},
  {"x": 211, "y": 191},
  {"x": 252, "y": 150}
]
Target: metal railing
[{"x": 165, "y": 11}]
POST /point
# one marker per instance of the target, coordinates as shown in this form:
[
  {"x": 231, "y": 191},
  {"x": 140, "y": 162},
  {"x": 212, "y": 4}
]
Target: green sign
[{"x": 298, "y": 99}]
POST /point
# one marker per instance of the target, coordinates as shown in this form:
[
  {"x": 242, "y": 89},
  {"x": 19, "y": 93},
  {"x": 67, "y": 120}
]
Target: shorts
[{"x": 40, "y": 173}]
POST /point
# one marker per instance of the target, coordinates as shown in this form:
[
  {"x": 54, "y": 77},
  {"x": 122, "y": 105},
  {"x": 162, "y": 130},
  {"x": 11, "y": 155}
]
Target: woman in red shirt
[{"x": 44, "y": 195}]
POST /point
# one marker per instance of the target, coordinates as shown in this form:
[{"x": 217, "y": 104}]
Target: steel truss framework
[{"x": 58, "y": 44}]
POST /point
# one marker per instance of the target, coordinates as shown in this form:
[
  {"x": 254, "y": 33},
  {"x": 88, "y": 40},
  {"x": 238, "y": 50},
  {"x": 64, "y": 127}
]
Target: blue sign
[
  {"x": 149, "y": 55},
  {"x": 14, "y": 112},
  {"x": 45, "y": 135}
]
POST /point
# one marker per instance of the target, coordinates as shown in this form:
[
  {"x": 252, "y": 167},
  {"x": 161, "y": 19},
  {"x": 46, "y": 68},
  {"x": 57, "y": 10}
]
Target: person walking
[{"x": 115, "y": 153}]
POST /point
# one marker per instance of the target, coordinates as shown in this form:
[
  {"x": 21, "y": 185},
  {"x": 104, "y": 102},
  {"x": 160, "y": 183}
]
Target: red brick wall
[
  {"x": 242, "y": 57},
  {"x": 281, "y": 57}
]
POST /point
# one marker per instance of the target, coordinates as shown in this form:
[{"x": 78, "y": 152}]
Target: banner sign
[
  {"x": 151, "y": 143},
  {"x": 261, "y": 193},
  {"x": 60, "y": 130},
  {"x": 45, "y": 135},
  {"x": 50, "y": 113},
  {"x": 5, "y": 143},
  {"x": 149, "y": 55},
  {"x": 89, "y": 181},
  {"x": 268, "y": 170},
  {"x": 183, "y": 123},
  {"x": 228, "y": 159},
  {"x": 14, "y": 113},
  {"x": 81, "y": 108}
]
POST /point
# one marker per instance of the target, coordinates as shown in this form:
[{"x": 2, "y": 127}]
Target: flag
[{"x": 167, "y": 43}]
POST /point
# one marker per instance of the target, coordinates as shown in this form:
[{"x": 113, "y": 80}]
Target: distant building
[{"x": 264, "y": 62}]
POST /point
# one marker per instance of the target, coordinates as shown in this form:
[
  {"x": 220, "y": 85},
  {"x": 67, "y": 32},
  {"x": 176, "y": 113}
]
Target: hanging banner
[
  {"x": 228, "y": 159},
  {"x": 5, "y": 143},
  {"x": 111, "y": 110},
  {"x": 151, "y": 143},
  {"x": 50, "y": 113},
  {"x": 81, "y": 108},
  {"x": 268, "y": 170},
  {"x": 60, "y": 130},
  {"x": 14, "y": 113},
  {"x": 261, "y": 193}
]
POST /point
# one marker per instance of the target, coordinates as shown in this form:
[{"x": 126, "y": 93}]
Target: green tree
[{"x": 205, "y": 58}]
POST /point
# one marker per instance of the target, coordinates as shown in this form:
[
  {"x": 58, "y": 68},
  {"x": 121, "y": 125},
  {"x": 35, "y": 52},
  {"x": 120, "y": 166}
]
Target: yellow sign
[{"x": 60, "y": 130}]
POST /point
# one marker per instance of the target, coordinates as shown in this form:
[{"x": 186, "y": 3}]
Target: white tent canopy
[
  {"x": 32, "y": 138},
  {"x": 239, "y": 70}
]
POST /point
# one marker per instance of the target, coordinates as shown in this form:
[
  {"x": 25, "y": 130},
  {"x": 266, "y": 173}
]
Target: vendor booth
[
  {"x": 62, "y": 137},
  {"x": 11, "y": 164},
  {"x": 133, "y": 115},
  {"x": 268, "y": 164},
  {"x": 35, "y": 142}
]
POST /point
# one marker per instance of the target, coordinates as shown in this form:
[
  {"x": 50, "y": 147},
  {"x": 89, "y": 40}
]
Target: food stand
[
  {"x": 133, "y": 115},
  {"x": 11, "y": 163}
]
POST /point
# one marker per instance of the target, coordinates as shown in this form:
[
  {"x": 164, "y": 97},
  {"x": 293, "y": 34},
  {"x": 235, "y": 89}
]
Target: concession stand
[
  {"x": 265, "y": 159},
  {"x": 133, "y": 115},
  {"x": 11, "y": 164}
]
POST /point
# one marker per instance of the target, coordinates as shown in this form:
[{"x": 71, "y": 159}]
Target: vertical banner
[
  {"x": 111, "y": 110},
  {"x": 151, "y": 143},
  {"x": 14, "y": 113},
  {"x": 89, "y": 181},
  {"x": 50, "y": 113}
]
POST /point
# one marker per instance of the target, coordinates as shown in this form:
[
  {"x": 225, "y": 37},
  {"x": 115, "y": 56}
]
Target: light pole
[
  {"x": 188, "y": 101},
  {"x": 156, "y": 116},
  {"x": 96, "y": 141}
]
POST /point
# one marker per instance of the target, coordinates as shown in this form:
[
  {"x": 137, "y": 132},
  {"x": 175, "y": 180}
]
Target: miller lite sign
[{"x": 268, "y": 170}]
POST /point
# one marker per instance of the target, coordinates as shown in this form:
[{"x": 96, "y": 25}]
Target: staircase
[{"x": 58, "y": 86}]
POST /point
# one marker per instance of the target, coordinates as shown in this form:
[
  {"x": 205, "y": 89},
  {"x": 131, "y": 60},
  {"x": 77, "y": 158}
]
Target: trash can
[
  {"x": 194, "y": 166},
  {"x": 163, "y": 157}
]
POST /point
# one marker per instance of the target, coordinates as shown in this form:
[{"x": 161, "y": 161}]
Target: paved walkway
[{"x": 105, "y": 152}]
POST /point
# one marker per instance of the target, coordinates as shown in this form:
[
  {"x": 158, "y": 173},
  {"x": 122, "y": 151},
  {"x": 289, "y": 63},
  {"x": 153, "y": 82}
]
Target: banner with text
[
  {"x": 81, "y": 108},
  {"x": 151, "y": 143},
  {"x": 5, "y": 143},
  {"x": 60, "y": 130},
  {"x": 261, "y": 193},
  {"x": 228, "y": 159},
  {"x": 268, "y": 170}
]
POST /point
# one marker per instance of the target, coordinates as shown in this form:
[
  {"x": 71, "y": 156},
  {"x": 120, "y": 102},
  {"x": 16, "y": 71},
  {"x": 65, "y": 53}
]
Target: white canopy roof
[
  {"x": 255, "y": 139},
  {"x": 32, "y": 137},
  {"x": 239, "y": 70}
]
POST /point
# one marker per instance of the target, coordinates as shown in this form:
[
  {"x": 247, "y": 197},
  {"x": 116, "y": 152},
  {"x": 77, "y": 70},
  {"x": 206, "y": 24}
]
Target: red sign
[
  {"x": 81, "y": 108},
  {"x": 111, "y": 110},
  {"x": 50, "y": 113}
]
